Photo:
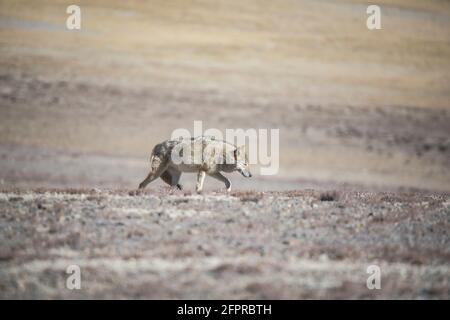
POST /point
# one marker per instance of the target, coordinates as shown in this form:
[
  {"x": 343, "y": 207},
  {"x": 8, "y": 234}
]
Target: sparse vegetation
[{"x": 328, "y": 196}]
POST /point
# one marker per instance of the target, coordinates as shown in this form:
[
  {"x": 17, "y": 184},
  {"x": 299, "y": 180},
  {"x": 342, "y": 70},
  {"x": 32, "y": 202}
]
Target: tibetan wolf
[{"x": 203, "y": 155}]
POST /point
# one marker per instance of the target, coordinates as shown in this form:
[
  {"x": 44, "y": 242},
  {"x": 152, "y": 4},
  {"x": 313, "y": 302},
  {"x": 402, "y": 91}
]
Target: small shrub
[{"x": 328, "y": 196}]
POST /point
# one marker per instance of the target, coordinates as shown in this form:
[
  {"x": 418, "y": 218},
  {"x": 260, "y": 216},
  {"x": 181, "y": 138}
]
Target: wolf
[{"x": 204, "y": 155}]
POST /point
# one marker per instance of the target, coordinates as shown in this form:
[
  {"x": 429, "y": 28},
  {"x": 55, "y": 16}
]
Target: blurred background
[{"x": 356, "y": 108}]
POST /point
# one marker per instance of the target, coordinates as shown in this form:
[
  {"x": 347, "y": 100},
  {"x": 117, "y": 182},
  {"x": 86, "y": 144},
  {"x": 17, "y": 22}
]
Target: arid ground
[
  {"x": 247, "y": 245},
  {"x": 364, "y": 148}
]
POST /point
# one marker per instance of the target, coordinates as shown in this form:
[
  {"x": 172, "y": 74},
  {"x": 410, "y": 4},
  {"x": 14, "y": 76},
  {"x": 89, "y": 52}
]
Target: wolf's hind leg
[
  {"x": 176, "y": 175},
  {"x": 166, "y": 177},
  {"x": 172, "y": 177},
  {"x": 158, "y": 166},
  {"x": 200, "y": 179},
  {"x": 221, "y": 177}
]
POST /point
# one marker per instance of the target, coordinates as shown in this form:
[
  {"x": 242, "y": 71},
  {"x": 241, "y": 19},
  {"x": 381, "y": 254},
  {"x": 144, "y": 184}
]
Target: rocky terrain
[{"x": 251, "y": 245}]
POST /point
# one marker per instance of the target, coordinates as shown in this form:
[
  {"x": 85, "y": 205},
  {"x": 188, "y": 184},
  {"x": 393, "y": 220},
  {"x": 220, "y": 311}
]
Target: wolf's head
[{"x": 241, "y": 161}]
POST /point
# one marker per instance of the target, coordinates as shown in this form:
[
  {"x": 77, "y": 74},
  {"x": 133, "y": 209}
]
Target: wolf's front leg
[{"x": 200, "y": 179}]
